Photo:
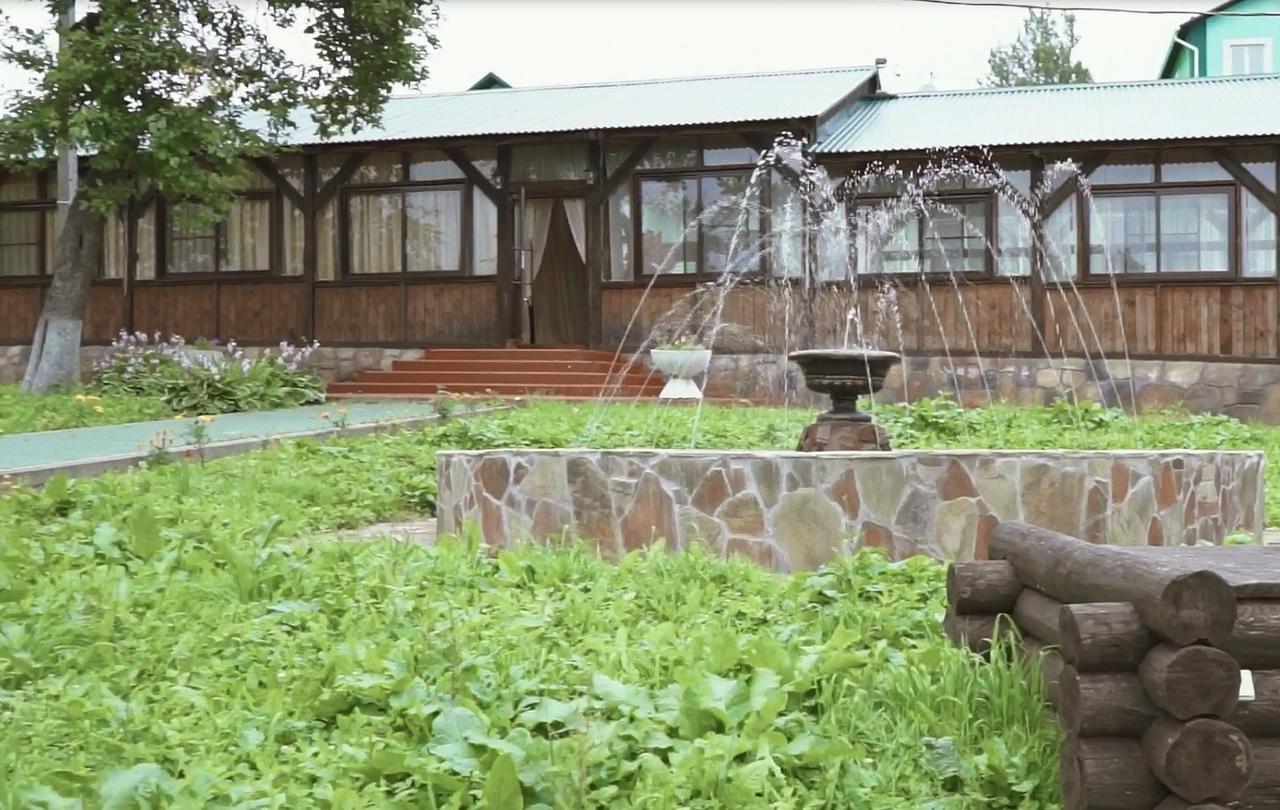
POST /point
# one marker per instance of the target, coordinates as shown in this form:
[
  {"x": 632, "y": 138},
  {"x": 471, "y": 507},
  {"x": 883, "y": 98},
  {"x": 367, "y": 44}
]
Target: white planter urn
[{"x": 680, "y": 366}]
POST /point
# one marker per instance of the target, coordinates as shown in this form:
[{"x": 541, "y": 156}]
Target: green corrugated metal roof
[
  {"x": 1164, "y": 109},
  {"x": 613, "y": 105}
]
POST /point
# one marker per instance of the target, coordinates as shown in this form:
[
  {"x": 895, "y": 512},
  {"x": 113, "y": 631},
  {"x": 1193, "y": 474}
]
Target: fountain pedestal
[{"x": 844, "y": 375}]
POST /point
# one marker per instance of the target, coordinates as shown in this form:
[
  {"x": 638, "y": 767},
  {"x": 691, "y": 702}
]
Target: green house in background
[{"x": 1226, "y": 45}]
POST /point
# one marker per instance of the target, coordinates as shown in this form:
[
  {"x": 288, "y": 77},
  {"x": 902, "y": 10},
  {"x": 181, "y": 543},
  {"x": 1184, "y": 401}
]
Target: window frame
[
  {"x": 642, "y": 269},
  {"x": 44, "y": 204},
  {"x": 1084, "y": 253},
  {"x": 465, "y": 226},
  {"x": 274, "y": 246},
  {"x": 987, "y": 197},
  {"x": 1268, "y": 54}
]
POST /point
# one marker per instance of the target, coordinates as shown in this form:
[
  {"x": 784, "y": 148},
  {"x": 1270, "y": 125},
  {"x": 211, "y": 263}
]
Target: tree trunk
[
  {"x": 1260, "y": 717},
  {"x": 55, "y": 348},
  {"x": 1255, "y": 639},
  {"x": 1200, "y": 760},
  {"x": 1104, "y": 637}
]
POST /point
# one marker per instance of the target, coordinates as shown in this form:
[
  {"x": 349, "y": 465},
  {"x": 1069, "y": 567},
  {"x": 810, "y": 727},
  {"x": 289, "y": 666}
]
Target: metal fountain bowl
[{"x": 844, "y": 375}]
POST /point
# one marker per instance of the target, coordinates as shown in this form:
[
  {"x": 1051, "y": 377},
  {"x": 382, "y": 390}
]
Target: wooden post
[
  {"x": 1038, "y": 253},
  {"x": 1188, "y": 682},
  {"x": 1255, "y": 639},
  {"x": 310, "y": 244},
  {"x": 1104, "y": 637},
  {"x": 982, "y": 586},
  {"x": 597, "y": 241},
  {"x": 1183, "y": 605},
  {"x": 1201, "y": 759},
  {"x": 505, "y": 276},
  {"x": 1104, "y": 704}
]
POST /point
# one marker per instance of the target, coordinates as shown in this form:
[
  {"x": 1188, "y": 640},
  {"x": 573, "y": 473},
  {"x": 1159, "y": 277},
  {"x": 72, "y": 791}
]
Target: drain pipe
[{"x": 1195, "y": 56}]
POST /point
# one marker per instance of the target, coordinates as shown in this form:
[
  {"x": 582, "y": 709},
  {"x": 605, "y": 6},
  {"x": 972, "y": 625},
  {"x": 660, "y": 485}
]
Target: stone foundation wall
[
  {"x": 798, "y": 510},
  {"x": 334, "y": 363},
  {"x": 1247, "y": 391}
]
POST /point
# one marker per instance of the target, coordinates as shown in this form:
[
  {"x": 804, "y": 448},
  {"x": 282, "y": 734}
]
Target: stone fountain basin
[{"x": 790, "y": 511}]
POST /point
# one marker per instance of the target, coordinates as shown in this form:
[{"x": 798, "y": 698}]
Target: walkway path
[{"x": 35, "y": 456}]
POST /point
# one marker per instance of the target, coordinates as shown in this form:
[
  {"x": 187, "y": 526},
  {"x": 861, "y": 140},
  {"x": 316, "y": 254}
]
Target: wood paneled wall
[{"x": 1178, "y": 320}]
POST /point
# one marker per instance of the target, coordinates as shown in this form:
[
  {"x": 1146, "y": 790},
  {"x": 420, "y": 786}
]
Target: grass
[
  {"x": 176, "y": 636},
  {"x": 26, "y": 413}
]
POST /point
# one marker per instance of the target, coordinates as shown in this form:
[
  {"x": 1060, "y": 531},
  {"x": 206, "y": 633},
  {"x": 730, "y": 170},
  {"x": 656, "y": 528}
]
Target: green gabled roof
[
  {"x": 1159, "y": 109},
  {"x": 695, "y": 100}
]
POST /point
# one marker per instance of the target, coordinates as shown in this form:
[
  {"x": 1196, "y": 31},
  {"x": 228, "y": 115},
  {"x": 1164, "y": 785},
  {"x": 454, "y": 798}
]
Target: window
[
  {"x": 405, "y": 230},
  {"x": 950, "y": 236},
  {"x": 1242, "y": 57},
  {"x": 26, "y": 226},
  {"x": 688, "y": 225},
  {"x": 239, "y": 243},
  {"x": 1161, "y": 232}
]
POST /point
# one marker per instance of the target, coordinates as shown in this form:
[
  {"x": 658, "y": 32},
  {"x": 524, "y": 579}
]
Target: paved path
[{"x": 23, "y": 451}]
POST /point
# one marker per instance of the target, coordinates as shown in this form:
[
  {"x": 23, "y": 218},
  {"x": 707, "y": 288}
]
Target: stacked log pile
[{"x": 1163, "y": 663}]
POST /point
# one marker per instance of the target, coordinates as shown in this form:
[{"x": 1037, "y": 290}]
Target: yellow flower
[
  {"x": 180, "y": 417},
  {"x": 206, "y": 418},
  {"x": 99, "y": 409},
  {"x": 80, "y": 397},
  {"x": 93, "y": 398},
  {"x": 324, "y": 414},
  {"x": 342, "y": 412}
]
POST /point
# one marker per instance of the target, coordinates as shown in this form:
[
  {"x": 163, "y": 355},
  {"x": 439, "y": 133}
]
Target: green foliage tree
[
  {"x": 1040, "y": 55},
  {"x": 171, "y": 98}
]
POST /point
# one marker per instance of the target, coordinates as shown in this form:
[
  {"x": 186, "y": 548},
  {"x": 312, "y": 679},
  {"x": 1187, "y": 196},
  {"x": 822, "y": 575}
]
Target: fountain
[
  {"x": 844, "y": 375},
  {"x": 845, "y": 334}
]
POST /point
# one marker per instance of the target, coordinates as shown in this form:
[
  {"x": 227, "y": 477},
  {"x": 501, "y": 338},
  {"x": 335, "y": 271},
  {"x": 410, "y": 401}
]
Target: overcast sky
[{"x": 530, "y": 42}]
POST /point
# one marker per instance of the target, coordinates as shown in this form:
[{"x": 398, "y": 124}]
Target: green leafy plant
[
  {"x": 149, "y": 366},
  {"x": 24, "y": 413}
]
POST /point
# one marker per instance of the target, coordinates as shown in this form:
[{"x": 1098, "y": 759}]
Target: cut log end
[
  {"x": 1201, "y": 760},
  {"x": 1197, "y": 606},
  {"x": 1193, "y": 681}
]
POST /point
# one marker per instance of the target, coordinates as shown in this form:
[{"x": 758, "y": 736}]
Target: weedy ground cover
[
  {"x": 175, "y": 636},
  {"x": 24, "y": 413}
]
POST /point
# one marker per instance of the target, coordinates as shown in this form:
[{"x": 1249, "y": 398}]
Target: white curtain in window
[
  {"x": 484, "y": 228},
  {"x": 433, "y": 242},
  {"x": 113, "y": 247},
  {"x": 575, "y": 210},
  {"x": 248, "y": 236},
  {"x": 146, "y": 267},
  {"x": 327, "y": 241},
  {"x": 375, "y": 234},
  {"x": 1259, "y": 235},
  {"x": 294, "y": 238},
  {"x": 787, "y": 237},
  {"x": 192, "y": 246},
  {"x": 620, "y": 235},
  {"x": 537, "y": 223}
]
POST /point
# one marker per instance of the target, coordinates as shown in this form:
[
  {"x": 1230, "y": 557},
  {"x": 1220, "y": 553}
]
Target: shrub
[{"x": 208, "y": 380}]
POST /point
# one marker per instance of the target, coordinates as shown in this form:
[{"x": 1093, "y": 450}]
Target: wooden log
[
  {"x": 1103, "y": 637},
  {"x": 1260, "y": 717},
  {"x": 1181, "y": 604},
  {"x": 1253, "y": 572},
  {"x": 1193, "y": 681},
  {"x": 1255, "y": 639},
  {"x": 1104, "y": 704},
  {"x": 1037, "y": 653},
  {"x": 1037, "y": 615},
  {"x": 975, "y": 631},
  {"x": 982, "y": 586},
  {"x": 1179, "y": 803},
  {"x": 1107, "y": 773},
  {"x": 1200, "y": 760},
  {"x": 1263, "y": 792}
]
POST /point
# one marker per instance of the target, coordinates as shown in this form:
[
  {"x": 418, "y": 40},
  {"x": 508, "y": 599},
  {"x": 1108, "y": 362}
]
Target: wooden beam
[
  {"x": 1039, "y": 343},
  {"x": 310, "y": 245},
  {"x": 278, "y": 180},
  {"x": 473, "y": 174},
  {"x": 1058, "y": 197},
  {"x": 354, "y": 161},
  {"x": 505, "y": 277},
  {"x": 1247, "y": 179},
  {"x": 597, "y": 241},
  {"x": 620, "y": 174}
]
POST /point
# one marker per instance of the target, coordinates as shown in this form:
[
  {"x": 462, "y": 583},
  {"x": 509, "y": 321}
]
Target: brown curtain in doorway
[{"x": 560, "y": 287}]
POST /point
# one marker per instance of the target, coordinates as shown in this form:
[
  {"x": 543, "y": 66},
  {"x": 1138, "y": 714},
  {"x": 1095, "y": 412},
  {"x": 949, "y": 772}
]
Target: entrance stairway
[{"x": 562, "y": 373}]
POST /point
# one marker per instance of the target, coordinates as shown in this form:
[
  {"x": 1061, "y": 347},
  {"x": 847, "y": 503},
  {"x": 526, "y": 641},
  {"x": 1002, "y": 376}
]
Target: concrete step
[
  {"x": 518, "y": 364},
  {"x": 488, "y": 376},
  {"x": 521, "y": 354},
  {"x": 378, "y": 389}
]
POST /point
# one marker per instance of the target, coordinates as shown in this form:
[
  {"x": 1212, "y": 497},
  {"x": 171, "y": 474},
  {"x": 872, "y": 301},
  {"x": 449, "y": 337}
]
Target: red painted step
[{"x": 556, "y": 372}]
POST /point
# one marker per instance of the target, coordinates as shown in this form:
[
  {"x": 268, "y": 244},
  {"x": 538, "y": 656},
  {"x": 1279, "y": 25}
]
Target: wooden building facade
[{"x": 433, "y": 235}]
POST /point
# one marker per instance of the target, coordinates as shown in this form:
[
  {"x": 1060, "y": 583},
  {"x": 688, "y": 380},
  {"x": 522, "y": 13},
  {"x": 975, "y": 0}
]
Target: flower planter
[{"x": 681, "y": 366}]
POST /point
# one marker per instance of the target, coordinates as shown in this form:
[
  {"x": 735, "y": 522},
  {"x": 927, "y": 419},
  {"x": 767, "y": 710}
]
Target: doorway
[{"x": 555, "y": 236}]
